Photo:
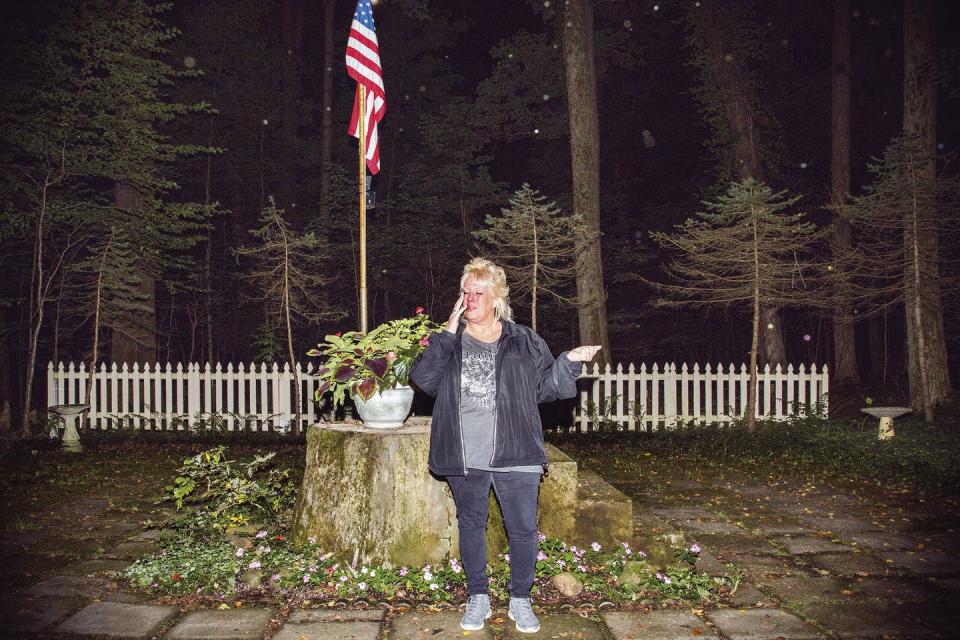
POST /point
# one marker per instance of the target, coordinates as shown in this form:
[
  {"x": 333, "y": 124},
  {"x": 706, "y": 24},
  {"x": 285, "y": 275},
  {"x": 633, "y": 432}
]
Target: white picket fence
[
  {"x": 262, "y": 397},
  {"x": 170, "y": 397},
  {"x": 647, "y": 399}
]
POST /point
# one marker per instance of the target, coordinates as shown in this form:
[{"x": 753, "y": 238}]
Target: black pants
[{"x": 517, "y": 492}]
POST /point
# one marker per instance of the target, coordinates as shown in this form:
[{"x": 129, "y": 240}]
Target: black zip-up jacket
[{"x": 526, "y": 375}]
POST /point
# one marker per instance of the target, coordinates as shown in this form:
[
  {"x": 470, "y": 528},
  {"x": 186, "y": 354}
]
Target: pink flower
[
  {"x": 262, "y": 534},
  {"x": 695, "y": 548},
  {"x": 240, "y": 552},
  {"x": 254, "y": 565},
  {"x": 419, "y": 310},
  {"x": 391, "y": 356},
  {"x": 425, "y": 341},
  {"x": 541, "y": 556},
  {"x": 595, "y": 546},
  {"x": 404, "y": 571}
]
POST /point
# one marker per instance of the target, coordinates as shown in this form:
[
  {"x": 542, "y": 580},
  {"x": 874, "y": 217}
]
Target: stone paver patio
[{"x": 814, "y": 565}]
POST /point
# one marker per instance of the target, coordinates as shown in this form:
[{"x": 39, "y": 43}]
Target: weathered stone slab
[
  {"x": 230, "y": 624},
  {"x": 711, "y": 527},
  {"x": 69, "y": 587},
  {"x": 708, "y": 563},
  {"x": 761, "y": 624},
  {"x": 840, "y": 525},
  {"x": 806, "y": 545},
  {"x": 882, "y": 541},
  {"x": 783, "y": 529},
  {"x": 299, "y": 616},
  {"x": 355, "y": 630},
  {"x": 686, "y": 513},
  {"x": 868, "y": 620},
  {"x": 551, "y": 626},
  {"x": 748, "y": 596},
  {"x": 130, "y": 550},
  {"x": 927, "y": 563},
  {"x": 91, "y": 567},
  {"x": 116, "y": 620},
  {"x": 602, "y": 514},
  {"x": 445, "y": 625},
  {"x": 900, "y": 589},
  {"x": 803, "y": 589},
  {"x": 30, "y": 615},
  {"x": 849, "y": 564},
  {"x": 758, "y": 563},
  {"x": 657, "y": 625}
]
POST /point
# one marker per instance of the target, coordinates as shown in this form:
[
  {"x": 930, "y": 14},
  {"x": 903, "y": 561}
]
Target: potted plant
[{"x": 374, "y": 368}]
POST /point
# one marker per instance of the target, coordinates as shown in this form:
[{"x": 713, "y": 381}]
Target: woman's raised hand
[
  {"x": 458, "y": 310},
  {"x": 583, "y": 354}
]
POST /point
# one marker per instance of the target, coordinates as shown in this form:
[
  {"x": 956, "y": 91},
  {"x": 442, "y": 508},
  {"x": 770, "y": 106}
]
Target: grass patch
[{"x": 922, "y": 456}]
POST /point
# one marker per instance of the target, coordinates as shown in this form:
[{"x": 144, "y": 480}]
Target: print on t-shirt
[{"x": 477, "y": 379}]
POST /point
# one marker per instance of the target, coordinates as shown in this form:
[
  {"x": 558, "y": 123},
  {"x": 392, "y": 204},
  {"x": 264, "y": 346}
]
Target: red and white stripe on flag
[{"x": 363, "y": 65}]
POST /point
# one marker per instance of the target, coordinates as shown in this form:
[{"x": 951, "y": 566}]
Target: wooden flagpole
[{"x": 361, "y": 127}]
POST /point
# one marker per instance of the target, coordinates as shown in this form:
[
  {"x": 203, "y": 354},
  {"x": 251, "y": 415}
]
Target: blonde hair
[{"x": 487, "y": 274}]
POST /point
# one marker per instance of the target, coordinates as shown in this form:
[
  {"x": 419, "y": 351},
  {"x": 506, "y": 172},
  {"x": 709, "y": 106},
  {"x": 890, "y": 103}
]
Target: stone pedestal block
[{"x": 368, "y": 493}]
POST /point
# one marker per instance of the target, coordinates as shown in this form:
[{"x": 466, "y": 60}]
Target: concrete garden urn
[{"x": 386, "y": 409}]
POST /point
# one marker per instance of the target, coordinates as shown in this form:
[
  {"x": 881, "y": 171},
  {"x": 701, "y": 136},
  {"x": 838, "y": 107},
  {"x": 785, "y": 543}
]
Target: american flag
[{"x": 363, "y": 65}]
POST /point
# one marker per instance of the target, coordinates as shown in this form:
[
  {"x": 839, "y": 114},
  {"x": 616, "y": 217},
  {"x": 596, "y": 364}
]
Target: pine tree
[
  {"x": 888, "y": 267},
  {"x": 727, "y": 45},
  {"x": 535, "y": 243},
  {"x": 746, "y": 249},
  {"x": 289, "y": 275},
  {"x": 109, "y": 288}
]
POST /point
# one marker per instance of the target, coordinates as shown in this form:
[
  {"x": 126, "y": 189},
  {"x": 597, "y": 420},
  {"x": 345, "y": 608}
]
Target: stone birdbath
[
  {"x": 886, "y": 415},
  {"x": 70, "y": 414}
]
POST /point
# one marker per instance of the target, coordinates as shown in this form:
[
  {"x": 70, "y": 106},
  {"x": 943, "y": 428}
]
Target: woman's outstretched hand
[
  {"x": 583, "y": 354},
  {"x": 458, "y": 309}
]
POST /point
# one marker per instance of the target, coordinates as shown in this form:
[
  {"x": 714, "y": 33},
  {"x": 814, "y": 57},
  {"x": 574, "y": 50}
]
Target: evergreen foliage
[
  {"x": 899, "y": 203},
  {"x": 746, "y": 249},
  {"x": 535, "y": 244}
]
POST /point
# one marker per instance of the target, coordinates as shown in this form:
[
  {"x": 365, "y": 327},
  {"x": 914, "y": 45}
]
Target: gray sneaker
[
  {"x": 478, "y": 610},
  {"x": 522, "y": 613}
]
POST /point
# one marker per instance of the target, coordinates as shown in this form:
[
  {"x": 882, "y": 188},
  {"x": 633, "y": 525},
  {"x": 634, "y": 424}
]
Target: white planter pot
[{"x": 385, "y": 410}]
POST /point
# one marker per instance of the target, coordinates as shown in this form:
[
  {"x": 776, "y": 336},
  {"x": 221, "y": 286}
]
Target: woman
[{"x": 488, "y": 375}]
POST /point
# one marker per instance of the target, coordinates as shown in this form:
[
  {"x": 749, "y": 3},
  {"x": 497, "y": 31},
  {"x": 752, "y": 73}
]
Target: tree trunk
[
  {"x": 285, "y": 309},
  {"x": 98, "y": 299},
  {"x": 926, "y": 345},
  {"x": 533, "y": 276},
  {"x": 326, "y": 142},
  {"x": 751, "y": 400},
  {"x": 135, "y": 338},
  {"x": 36, "y": 312},
  {"x": 585, "y": 154},
  {"x": 740, "y": 119},
  {"x": 845, "y": 370}
]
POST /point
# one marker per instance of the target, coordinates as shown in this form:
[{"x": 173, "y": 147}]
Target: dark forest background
[{"x": 218, "y": 111}]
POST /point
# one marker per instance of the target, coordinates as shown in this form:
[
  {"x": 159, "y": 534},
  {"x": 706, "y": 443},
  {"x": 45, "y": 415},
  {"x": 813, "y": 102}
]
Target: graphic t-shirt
[{"x": 478, "y": 404}]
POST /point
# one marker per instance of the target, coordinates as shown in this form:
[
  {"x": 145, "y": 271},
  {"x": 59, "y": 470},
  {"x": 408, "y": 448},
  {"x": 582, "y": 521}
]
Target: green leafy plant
[
  {"x": 187, "y": 565},
  {"x": 363, "y": 364},
  {"x": 227, "y": 493}
]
